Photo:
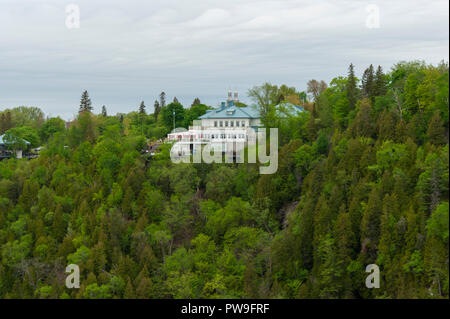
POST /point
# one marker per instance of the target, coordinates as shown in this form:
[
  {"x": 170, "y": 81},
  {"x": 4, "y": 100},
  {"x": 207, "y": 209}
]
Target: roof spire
[{"x": 230, "y": 95}]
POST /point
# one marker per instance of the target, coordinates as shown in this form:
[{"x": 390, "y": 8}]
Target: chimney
[
  {"x": 236, "y": 99},
  {"x": 230, "y": 98}
]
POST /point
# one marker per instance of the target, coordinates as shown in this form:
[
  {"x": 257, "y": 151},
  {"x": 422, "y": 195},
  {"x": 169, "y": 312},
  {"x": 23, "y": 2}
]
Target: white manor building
[{"x": 226, "y": 129}]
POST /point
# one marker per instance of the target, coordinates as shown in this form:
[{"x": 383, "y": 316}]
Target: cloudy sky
[{"x": 127, "y": 51}]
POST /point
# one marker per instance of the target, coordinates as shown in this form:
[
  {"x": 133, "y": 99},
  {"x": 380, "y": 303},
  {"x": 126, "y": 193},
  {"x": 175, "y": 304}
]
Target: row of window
[
  {"x": 224, "y": 136},
  {"x": 212, "y": 136},
  {"x": 231, "y": 123}
]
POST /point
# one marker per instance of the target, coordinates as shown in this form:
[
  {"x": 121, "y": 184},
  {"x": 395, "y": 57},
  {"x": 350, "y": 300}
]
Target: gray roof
[
  {"x": 231, "y": 111},
  {"x": 2, "y": 142},
  {"x": 286, "y": 109}
]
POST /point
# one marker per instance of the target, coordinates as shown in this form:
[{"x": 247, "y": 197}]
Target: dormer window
[{"x": 230, "y": 112}]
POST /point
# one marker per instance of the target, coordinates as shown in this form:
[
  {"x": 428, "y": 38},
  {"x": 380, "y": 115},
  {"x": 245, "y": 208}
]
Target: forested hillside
[{"x": 362, "y": 179}]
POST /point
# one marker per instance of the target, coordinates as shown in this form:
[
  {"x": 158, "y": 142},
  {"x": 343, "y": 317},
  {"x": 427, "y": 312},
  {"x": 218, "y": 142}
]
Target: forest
[{"x": 362, "y": 179}]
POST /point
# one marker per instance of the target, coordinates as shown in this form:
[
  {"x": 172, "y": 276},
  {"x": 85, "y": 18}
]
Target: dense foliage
[{"x": 362, "y": 179}]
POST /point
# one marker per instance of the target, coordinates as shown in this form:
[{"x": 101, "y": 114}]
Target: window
[
  {"x": 215, "y": 123},
  {"x": 231, "y": 123},
  {"x": 243, "y": 123},
  {"x": 226, "y": 123},
  {"x": 237, "y": 123},
  {"x": 221, "y": 124}
]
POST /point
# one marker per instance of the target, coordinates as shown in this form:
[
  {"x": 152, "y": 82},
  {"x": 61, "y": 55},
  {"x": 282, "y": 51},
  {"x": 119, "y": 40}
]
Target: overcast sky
[{"x": 127, "y": 51}]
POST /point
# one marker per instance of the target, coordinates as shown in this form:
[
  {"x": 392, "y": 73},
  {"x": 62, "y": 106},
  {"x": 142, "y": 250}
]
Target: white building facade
[{"x": 226, "y": 129}]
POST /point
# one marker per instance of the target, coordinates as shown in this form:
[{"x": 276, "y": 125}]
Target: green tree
[
  {"x": 436, "y": 131},
  {"x": 169, "y": 112},
  {"x": 351, "y": 88},
  {"x": 363, "y": 125},
  {"x": 142, "y": 108},
  {"x": 129, "y": 291},
  {"x": 5, "y": 121},
  {"x": 157, "y": 109},
  {"x": 18, "y": 136},
  {"x": 50, "y": 127},
  {"x": 316, "y": 88},
  {"x": 196, "y": 102},
  {"x": 264, "y": 97},
  {"x": 380, "y": 86},
  {"x": 194, "y": 112},
  {"x": 85, "y": 103},
  {"x": 368, "y": 83}
]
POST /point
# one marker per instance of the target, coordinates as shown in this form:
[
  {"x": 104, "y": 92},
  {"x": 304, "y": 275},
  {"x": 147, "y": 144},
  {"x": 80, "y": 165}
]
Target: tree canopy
[{"x": 362, "y": 179}]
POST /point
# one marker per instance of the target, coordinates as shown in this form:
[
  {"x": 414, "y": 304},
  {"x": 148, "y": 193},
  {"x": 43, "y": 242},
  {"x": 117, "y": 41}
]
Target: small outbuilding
[{"x": 7, "y": 152}]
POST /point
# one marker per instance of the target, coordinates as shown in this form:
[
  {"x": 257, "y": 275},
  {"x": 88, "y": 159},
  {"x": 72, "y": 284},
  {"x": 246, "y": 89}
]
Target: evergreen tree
[
  {"x": 387, "y": 123},
  {"x": 104, "y": 113},
  {"x": 344, "y": 235},
  {"x": 370, "y": 224},
  {"x": 436, "y": 130},
  {"x": 329, "y": 283},
  {"x": 352, "y": 94},
  {"x": 59, "y": 226},
  {"x": 85, "y": 103},
  {"x": 129, "y": 291},
  {"x": 311, "y": 129},
  {"x": 380, "y": 82},
  {"x": 368, "y": 84},
  {"x": 363, "y": 124},
  {"x": 157, "y": 109},
  {"x": 144, "y": 288},
  {"x": 142, "y": 108},
  {"x": 196, "y": 102},
  {"x": 5, "y": 122},
  {"x": 251, "y": 281},
  {"x": 342, "y": 198},
  {"x": 162, "y": 100}
]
